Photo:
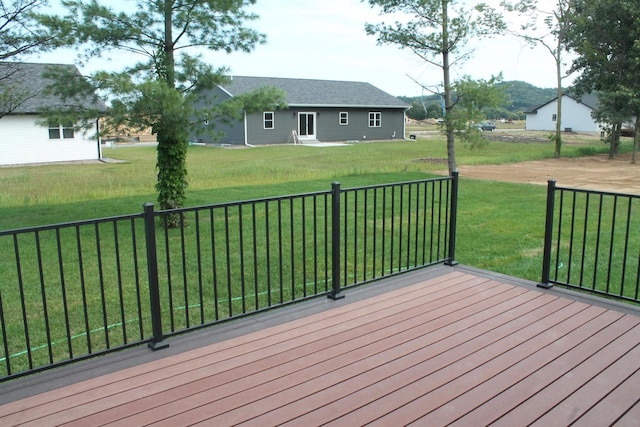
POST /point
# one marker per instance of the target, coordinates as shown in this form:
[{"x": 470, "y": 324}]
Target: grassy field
[{"x": 500, "y": 225}]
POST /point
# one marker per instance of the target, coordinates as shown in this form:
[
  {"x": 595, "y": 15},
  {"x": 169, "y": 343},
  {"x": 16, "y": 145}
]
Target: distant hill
[
  {"x": 525, "y": 96},
  {"x": 522, "y": 97}
]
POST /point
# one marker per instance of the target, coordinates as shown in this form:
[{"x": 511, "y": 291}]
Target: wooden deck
[{"x": 453, "y": 346}]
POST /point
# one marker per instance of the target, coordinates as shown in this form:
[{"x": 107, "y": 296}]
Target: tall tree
[
  {"x": 438, "y": 32},
  {"x": 547, "y": 28},
  {"x": 606, "y": 38},
  {"x": 158, "y": 90},
  {"x": 19, "y": 35}
]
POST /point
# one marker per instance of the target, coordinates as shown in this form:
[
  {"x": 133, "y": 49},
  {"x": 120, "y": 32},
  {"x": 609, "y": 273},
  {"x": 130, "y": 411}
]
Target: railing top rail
[
  {"x": 244, "y": 202},
  {"x": 598, "y": 192},
  {"x": 396, "y": 184},
  {"x": 69, "y": 224},
  {"x": 294, "y": 196}
]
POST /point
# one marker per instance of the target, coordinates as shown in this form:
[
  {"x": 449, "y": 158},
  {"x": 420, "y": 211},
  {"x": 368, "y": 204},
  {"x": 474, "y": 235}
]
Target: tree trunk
[
  {"x": 558, "y": 137},
  {"x": 448, "y": 104},
  {"x": 170, "y": 130},
  {"x": 614, "y": 140},
  {"x": 636, "y": 141}
]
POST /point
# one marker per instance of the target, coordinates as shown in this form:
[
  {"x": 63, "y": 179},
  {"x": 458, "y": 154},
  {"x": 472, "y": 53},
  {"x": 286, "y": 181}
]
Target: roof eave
[{"x": 347, "y": 106}]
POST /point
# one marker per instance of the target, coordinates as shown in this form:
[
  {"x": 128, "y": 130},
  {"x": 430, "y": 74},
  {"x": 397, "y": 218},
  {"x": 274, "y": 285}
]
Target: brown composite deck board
[
  {"x": 316, "y": 359},
  {"x": 386, "y": 361},
  {"x": 253, "y": 342},
  {"x": 456, "y": 347},
  {"x": 421, "y": 395},
  {"x": 577, "y": 404},
  {"x": 521, "y": 394},
  {"x": 631, "y": 418},
  {"x": 459, "y": 338},
  {"x": 332, "y": 358},
  {"x": 227, "y": 354},
  {"x": 607, "y": 410},
  {"x": 508, "y": 375}
]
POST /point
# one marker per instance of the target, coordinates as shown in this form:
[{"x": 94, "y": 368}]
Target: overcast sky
[{"x": 325, "y": 39}]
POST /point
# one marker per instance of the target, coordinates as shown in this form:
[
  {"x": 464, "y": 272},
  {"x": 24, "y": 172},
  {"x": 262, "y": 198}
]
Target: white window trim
[
  {"x": 61, "y": 131},
  {"x": 376, "y": 118},
  {"x": 346, "y": 118},
  {"x": 265, "y": 120}
]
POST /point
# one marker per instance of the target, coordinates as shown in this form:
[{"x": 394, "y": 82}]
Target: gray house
[{"x": 317, "y": 110}]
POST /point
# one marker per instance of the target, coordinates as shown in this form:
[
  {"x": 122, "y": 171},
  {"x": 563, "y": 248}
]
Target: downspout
[
  {"x": 246, "y": 137},
  {"x": 98, "y": 138},
  {"x": 404, "y": 124}
]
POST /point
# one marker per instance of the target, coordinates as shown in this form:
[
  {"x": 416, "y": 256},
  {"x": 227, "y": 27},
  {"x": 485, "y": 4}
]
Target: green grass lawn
[{"x": 500, "y": 224}]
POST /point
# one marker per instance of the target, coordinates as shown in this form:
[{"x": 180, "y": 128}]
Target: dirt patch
[{"x": 593, "y": 173}]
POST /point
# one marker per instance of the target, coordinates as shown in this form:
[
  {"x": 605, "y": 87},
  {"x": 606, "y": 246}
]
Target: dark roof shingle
[
  {"x": 28, "y": 81},
  {"x": 318, "y": 93}
]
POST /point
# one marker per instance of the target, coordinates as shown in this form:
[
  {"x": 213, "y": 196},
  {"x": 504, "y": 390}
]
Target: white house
[
  {"x": 22, "y": 138},
  {"x": 576, "y": 115}
]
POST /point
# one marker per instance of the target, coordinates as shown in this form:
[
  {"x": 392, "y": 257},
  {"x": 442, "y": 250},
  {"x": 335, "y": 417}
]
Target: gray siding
[
  {"x": 392, "y": 120},
  {"x": 216, "y": 131},
  {"x": 328, "y": 126},
  {"x": 331, "y": 98}
]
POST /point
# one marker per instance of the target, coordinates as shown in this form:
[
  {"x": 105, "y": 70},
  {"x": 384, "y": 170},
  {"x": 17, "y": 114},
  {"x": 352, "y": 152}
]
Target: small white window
[
  {"x": 59, "y": 131},
  {"x": 268, "y": 120},
  {"x": 205, "y": 120},
  {"x": 554, "y": 117},
  {"x": 375, "y": 119},
  {"x": 344, "y": 118}
]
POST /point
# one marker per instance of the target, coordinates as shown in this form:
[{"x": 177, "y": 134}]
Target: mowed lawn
[{"x": 500, "y": 225}]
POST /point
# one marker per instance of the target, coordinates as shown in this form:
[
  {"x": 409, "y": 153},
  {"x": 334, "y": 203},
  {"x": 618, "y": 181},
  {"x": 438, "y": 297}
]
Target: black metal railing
[
  {"x": 592, "y": 242},
  {"x": 76, "y": 290},
  {"x": 70, "y": 291}
]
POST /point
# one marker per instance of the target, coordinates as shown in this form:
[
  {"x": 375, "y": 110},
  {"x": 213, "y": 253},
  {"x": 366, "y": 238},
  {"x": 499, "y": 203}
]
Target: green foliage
[
  {"x": 437, "y": 31},
  {"x": 19, "y": 33},
  {"x": 158, "y": 90},
  {"x": 520, "y": 97},
  {"x": 524, "y": 96},
  {"x": 417, "y": 111},
  {"x": 605, "y": 35},
  {"x": 474, "y": 96}
]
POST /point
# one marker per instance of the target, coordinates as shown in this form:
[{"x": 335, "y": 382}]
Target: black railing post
[
  {"x": 453, "y": 220},
  {"x": 548, "y": 235},
  {"x": 157, "y": 341},
  {"x": 335, "y": 242}
]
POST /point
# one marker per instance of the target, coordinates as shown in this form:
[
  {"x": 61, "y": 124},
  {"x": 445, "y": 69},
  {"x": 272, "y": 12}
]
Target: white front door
[{"x": 307, "y": 126}]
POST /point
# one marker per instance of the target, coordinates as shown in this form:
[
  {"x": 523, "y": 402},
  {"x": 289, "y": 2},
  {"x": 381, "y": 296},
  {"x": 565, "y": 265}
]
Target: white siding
[
  {"x": 23, "y": 141},
  {"x": 575, "y": 116}
]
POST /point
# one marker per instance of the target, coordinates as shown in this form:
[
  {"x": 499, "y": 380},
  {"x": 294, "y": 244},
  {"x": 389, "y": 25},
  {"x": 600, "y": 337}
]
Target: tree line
[{"x": 520, "y": 97}]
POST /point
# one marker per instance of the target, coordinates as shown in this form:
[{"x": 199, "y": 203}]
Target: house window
[
  {"x": 268, "y": 120},
  {"x": 344, "y": 118},
  {"x": 554, "y": 117},
  {"x": 205, "y": 121},
  {"x": 58, "y": 130},
  {"x": 375, "y": 119}
]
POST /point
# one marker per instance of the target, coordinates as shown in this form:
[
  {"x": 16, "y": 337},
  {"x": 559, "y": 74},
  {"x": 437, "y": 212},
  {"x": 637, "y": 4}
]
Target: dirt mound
[{"x": 592, "y": 173}]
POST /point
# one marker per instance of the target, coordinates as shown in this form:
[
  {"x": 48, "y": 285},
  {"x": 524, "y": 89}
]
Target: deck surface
[{"x": 457, "y": 348}]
